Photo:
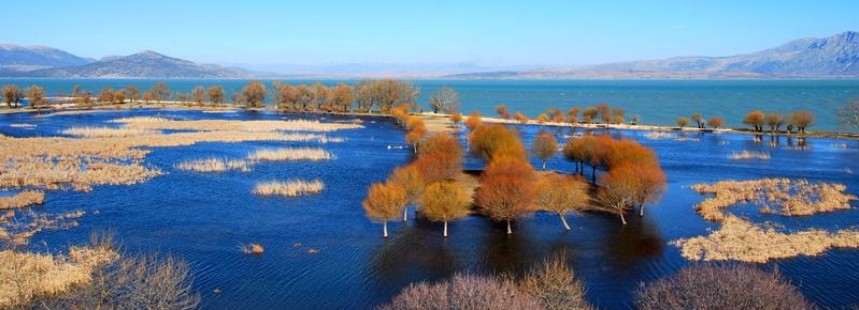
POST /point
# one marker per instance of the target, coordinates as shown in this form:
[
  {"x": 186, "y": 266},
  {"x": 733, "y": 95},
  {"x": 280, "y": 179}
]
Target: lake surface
[
  {"x": 656, "y": 102},
  {"x": 204, "y": 218}
]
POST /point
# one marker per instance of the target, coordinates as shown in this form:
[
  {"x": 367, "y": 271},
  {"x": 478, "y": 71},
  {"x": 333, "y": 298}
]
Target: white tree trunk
[
  {"x": 641, "y": 210},
  {"x": 509, "y": 229},
  {"x": 405, "y": 213},
  {"x": 445, "y": 229},
  {"x": 622, "y": 219},
  {"x": 544, "y": 165},
  {"x": 564, "y": 220},
  {"x": 385, "y": 229}
]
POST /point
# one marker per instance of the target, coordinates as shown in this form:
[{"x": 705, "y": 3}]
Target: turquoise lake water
[{"x": 656, "y": 102}]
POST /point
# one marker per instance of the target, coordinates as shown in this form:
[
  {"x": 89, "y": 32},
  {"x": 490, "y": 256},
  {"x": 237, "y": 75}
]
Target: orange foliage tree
[
  {"x": 573, "y": 115},
  {"x": 496, "y": 140},
  {"x": 755, "y": 119},
  {"x": 545, "y": 146},
  {"x": 443, "y": 202},
  {"x": 410, "y": 180},
  {"x": 473, "y": 120},
  {"x": 506, "y": 190},
  {"x": 521, "y": 118},
  {"x": 618, "y": 191},
  {"x": 716, "y": 122},
  {"x": 801, "y": 120},
  {"x": 384, "y": 203},
  {"x": 561, "y": 195},
  {"x": 438, "y": 166}
]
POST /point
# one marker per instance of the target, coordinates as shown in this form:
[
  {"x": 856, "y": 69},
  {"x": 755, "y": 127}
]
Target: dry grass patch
[
  {"x": 214, "y": 165},
  {"x": 780, "y": 196},
  {"x": 289, "y": 188},
  {"x": 108, "y": 132},
  {"x": 285, "y": 154},
  {"x": 24, "y": 276},
  {"x": 156, "y": 123},
  {"x": 22, "y": 199},
  {"x": 741, "y": 240},
  {"x": 747, "y": 155},
  {"x": 82, "y": 163}
]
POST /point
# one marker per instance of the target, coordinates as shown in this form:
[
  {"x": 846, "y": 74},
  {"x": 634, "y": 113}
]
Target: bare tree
[
  {"x": 445, "y": 99},
  {"x": 254, "y": 94},
  {"x": 132, "y": 92},
  {"x": 160, "y": 92},
  {"x": 199, "y": 95},
  {"x": 36, "y": 96},
  {"x": 848, "y": 115},
  {"x": 216, "y": 95}
]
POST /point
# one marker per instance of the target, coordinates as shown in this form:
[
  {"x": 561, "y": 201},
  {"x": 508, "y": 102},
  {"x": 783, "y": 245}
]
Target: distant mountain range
[
  {"x": 835, "y": 56},
  {"x": 17, "y": 61}
]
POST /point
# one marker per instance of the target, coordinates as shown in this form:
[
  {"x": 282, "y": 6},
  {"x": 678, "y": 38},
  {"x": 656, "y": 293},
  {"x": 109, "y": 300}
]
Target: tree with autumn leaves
[
  {"x": 506, "y": 190},
  {"x": 384, "y": 202},
  {"x": 561, "y": 195},
  {"x": 443, "y": 202}
]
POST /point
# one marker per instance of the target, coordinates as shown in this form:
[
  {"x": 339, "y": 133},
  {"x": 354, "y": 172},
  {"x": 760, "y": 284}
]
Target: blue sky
[{"x": 490, "y": 33}]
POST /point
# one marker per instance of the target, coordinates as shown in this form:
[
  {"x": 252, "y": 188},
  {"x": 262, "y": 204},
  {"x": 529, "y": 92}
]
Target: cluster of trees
[
  {"x": 602, "y": 113},
  {"x": 799, "y": 121},
  {"x": 633, "y": 176},
  {"x": 12, "y": 95},
  {"x": 700, "y": 122},
  {"x": 429, "y": 183}
]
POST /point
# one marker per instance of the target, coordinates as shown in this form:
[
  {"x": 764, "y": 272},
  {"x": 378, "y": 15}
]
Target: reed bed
[
  {"x": 24, "y": 276},
  {"x": 158, "y": 123},
  {"x": 108, "y": 132},
  {"x": 286, "y": 154},
  {"x": 214, "y": 165},
  {"x": 747, "y": 155},
  {"x": 22, "y": 199},
  {"x": 741, "y": 240},
  {"x": 290, "y": 188},
  {"x": 53, "y": 163},
  {"x": 72, "y": 172},
  {"x": 778, "y": 196}
]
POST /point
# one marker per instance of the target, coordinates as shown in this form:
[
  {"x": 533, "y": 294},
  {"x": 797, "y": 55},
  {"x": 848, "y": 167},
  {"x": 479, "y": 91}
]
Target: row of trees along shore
[
  {"x": 509, "y": 187},
  {"x": 382, "y": 96}
]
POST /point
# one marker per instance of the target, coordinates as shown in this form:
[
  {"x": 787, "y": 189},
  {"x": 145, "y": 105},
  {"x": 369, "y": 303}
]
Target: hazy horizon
[{"x": 428, "y": 33}]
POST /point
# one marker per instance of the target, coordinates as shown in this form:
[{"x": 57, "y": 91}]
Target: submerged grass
[
  {"x": 214, "y": 165},
  {"x": 285, "y": 154},
  {"x": 742, "y": 240},
  {"x": 747, "y": 155},
  {"x": 18, "y": 226},
  {"x": 22, "y": 199},
  {"x": 780, "y": 196},
  {"x": 290, "y": 188}
]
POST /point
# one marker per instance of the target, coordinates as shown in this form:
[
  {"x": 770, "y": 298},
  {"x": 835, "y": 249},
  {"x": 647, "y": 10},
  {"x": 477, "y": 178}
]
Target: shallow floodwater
[{"x": 321, "y": 252}]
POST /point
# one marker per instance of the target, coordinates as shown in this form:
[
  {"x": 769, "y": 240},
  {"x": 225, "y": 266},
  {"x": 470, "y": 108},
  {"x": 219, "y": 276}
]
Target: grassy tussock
[
  {"x": 24, "y": 276},
  {"x": 285, "y": 154},
  {"x": 747, "y": 155},
  {"x": 463, "y": 292},
  {"x": 18, "y": 226},
  {"x": 22, "y": 199},
  {"x": 253, "y": 248},
  {"x": 780, "y": 196},
  {"x": 108, "y": 132},
  {"x": 555, "y": 286},
  {"x": 289, "y": 188},
  {"x": 741, "y": 240},
  {"x": 157, "y": 123},
  {"x": 214, "y": 165}
]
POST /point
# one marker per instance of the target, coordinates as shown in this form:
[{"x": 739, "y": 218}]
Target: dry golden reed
[
  {"x": 18, "y": 226},
  {"x": 781, "y": 196},
  {"x": 290, "y": 188},
  {"x": 741, "y": 240},
  {"x": 285, "y": 154},
  {"x": 156, "y": 123},
  {"x": 214, "y": 165},
  {"x": 22, "y": 199},
  {"x": 108, "y": 132},
  {"x": 253, "y": 248},
  {"x": 24, "y": 276}
]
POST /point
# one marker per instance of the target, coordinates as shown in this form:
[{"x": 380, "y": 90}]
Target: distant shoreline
[{"x": 436, "y": 121}]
